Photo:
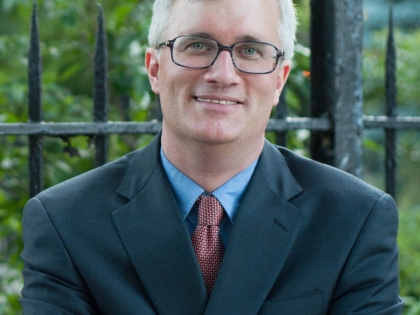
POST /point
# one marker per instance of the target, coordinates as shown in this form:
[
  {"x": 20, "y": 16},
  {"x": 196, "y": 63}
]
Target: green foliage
[
  {"x": 409, "y": 242},
  {"x": 412, "y": 307},
  {"x": 408, "y": 160},
  {"x": 407, "y": 72},
  {"x": 408, "y": 97},
  {"x": 67, "y": 30},
  {"x": 10, "y": 284}
]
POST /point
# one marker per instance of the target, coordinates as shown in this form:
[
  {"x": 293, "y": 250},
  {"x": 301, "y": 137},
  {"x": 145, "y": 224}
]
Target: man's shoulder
[
  {"x": 315, "y": 176},
  {"x": 99, "y": 185},
  {"x": 109, "y": 177},
  {"x": 328, "y": 193},
  {"x": 109, "y": 174}
]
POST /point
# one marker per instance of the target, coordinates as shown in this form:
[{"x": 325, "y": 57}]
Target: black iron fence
[{"x": 341, "y": 126}]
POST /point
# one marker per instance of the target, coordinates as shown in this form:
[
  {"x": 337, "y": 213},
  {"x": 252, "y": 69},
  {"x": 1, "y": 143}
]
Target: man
[{"x": 285, "y": 235}]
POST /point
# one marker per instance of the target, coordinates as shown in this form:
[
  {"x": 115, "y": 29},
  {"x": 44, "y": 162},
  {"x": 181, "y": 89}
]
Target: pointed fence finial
[
  {"x": 101, "y": 76},
  {"x": 391, "y": 84},
  {"x": 34, "y": 70}
]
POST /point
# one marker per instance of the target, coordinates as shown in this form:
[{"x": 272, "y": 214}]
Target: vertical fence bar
[
  {"x": 155, "y": 110},
  {"x": 281, "y": 113},
  {"x": 348, "y": 112},
  {"x": 336, "y": 82},
  {"x": 391, "y": 111},
  {"x": 159, "y": 114},
  {"x": 35, "y": 106},
  {"x": 322, "y": 77},
  {"x": 100, "y": 113}
]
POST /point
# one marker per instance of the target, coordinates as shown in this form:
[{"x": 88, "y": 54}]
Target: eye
[
  {"x": 249, "y": 50},
  {"x": 197, "y": 45}
]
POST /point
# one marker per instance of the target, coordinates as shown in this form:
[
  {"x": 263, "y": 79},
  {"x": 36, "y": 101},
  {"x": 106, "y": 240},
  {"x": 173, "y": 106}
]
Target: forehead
[{"x": 225, "y": 20}]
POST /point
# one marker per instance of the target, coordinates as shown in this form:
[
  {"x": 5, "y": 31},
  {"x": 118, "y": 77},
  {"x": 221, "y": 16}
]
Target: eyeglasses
[{"x": 247, "y": 56}]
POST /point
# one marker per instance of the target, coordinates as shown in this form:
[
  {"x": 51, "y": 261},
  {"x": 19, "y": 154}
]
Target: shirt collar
[{"x": 187, "y": 191}]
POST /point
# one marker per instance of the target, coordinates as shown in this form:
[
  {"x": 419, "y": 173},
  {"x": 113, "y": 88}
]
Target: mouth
[{"x": 217, "y": 101}]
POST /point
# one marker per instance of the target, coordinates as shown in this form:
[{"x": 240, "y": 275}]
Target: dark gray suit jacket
[{"x": 307, "y": 240}]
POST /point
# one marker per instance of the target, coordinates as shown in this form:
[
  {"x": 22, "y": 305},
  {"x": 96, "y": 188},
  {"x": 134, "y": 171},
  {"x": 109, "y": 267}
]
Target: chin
[{"x": 216, "y": 138}]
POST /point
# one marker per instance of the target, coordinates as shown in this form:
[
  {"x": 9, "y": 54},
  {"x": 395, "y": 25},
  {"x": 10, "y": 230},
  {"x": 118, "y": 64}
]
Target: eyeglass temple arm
[{"x": 168, "y": 43}]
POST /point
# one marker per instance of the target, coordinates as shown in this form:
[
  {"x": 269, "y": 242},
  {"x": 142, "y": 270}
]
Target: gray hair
[{"x": 286, "y": 28}]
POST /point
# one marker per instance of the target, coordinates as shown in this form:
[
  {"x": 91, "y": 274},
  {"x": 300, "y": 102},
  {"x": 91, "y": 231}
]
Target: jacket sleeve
[
  {"x": 52, "y": 284},
  {"x": 369, "y": 280}
]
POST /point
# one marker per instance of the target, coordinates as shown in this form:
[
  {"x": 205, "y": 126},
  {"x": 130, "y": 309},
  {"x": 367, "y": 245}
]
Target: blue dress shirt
[{"x": 187, "y": 191}]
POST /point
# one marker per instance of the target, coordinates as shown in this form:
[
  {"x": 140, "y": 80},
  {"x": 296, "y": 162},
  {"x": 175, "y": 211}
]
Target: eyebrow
[
  {"x": 201, "y": 34},
  {"x": 238, "y": 39}
]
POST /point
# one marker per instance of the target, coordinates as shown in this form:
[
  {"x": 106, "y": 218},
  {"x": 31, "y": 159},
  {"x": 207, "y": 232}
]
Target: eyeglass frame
[{"x": 170, "y": 43}]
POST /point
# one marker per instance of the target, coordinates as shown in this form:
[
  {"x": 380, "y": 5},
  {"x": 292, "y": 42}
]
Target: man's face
[{"x": 240, "y": 103}]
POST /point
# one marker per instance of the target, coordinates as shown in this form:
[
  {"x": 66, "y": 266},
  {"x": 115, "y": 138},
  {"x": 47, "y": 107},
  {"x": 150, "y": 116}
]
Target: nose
[{"x": 223, "y": 71}]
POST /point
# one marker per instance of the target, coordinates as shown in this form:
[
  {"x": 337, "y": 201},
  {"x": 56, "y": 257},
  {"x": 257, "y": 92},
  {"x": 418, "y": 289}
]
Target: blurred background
[{"x": 67, "y": 30}]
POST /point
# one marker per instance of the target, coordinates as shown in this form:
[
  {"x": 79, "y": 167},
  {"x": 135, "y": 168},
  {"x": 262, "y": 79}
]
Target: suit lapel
[
  {"x": 156, "y": 238},
  {"x": 263, "y": 233}
]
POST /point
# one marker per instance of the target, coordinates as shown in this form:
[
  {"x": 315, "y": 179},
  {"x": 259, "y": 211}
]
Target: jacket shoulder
[
  {"x": 313, "y": 175},
  {"x": 101, "y": 182}
]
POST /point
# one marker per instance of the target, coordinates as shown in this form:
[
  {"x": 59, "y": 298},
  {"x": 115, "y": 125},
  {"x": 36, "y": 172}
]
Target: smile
[{"x": 222, "y": 102}]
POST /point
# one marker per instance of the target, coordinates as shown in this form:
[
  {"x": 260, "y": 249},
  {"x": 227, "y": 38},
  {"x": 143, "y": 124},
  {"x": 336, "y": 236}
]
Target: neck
[{"x": 210, "y": 165}]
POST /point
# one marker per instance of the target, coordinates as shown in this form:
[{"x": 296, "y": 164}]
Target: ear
[
  {"x": 281, "y": 80},
  {"x": 152, "y": 67}
]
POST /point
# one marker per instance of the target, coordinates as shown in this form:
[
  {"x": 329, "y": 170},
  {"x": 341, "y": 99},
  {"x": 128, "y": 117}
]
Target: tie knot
[{"x": 210, "y": 211}]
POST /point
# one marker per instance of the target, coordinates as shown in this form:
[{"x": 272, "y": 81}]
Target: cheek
[
  {"x": 174, "y": 80},
  {"x": 273, "y": 95},
  {"x": 175, "y": 90},
  {"x": 266, "y": 93}
]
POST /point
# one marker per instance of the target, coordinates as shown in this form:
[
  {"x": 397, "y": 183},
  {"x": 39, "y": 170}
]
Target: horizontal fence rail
[
  {"x": 153, "y": 127},
  {"x": 150, "y": 127},
  {"x": 386, "y": 122}
]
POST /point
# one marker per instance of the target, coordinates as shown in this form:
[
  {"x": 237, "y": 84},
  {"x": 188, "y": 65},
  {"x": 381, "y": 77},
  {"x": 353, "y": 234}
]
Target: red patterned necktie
[{"x": 206, "y": 239}]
